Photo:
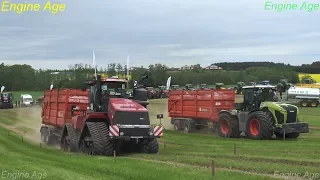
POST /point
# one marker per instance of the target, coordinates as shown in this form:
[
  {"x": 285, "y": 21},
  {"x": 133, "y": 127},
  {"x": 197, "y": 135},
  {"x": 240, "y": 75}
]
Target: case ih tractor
[
  {"x": 6, "y": 100},
  {"x": 259, "y": 117},
  {"x": 151, "y": 93},
  {"x": 99, "y": 121},
  {"x": 162, "y": 92}
]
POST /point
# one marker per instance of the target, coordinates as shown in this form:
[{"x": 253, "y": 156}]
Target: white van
[{"x": 26, "y": 100}]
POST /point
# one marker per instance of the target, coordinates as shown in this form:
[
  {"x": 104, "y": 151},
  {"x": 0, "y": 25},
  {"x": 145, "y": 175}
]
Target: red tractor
[
  {"x": 151, "y": 93},
  {"x": 162, "y": 92},
  {"x": 100, "y": 120}
]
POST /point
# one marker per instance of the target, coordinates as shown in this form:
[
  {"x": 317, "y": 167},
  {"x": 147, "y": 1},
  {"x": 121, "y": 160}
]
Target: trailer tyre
[
  {"x": 150, "y": 147},
  {"x": 259, "y": 126},
  {"x": 314, "y": 104},
  {"x": 176, "y": 125},
  {"x": 69, "y": 139},
  {"x": 189, "y": 126},
  {"x": 228, "y": 126}
]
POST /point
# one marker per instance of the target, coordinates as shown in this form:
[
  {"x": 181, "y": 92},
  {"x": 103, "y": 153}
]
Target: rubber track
[
  {"x": 99, "y": 133},
  {"x": 151, "y": 147},
  {"x": 74, "y": 137},
  {"x": 266, "y": 125}
]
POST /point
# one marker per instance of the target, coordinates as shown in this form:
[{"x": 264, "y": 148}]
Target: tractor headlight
[
  {"x": 121, "y": 133},
  {"x": 151, "y": 132}
]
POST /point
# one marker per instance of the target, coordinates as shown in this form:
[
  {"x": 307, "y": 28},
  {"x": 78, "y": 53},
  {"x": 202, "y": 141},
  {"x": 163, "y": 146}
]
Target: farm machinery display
[
  {"x": 101, "y": 120},
  {"x": 253, "y": 114},
  {"x": 151, "y": 93},
  {"x": 162, "y": 92}
]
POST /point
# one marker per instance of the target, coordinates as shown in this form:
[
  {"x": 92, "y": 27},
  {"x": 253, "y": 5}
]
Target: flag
[
  {"x": 168, "y": 83},
  {"x": 128, "y": 67},
  {"x": 94, "y": 63}
]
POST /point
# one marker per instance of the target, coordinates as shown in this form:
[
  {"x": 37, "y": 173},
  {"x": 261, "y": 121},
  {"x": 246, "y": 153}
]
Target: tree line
[
  {"x": 23, "y": 77},
  {"x": 313, "y": 68}
]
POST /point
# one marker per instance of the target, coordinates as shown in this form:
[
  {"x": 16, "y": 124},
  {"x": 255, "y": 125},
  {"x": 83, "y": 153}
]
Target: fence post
[
  {"x": 212, "y": 168},
  {"x": 22, "y": 139},
  {"x": 114, "y": 156},
  {"x": 234, "y": 149}
]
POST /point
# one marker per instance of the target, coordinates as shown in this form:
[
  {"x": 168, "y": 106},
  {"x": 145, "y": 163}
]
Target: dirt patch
[{"x": 27, "y": 122}]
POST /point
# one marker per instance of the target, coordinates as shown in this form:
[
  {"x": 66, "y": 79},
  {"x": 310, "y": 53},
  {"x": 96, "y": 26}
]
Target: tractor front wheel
[
  {"x": 259, "y": 126},
  {"x": 228, "y": 126}
]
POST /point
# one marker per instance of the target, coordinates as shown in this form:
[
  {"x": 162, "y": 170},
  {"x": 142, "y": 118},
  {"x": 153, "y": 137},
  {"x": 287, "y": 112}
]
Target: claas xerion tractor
[{"x": 258, "y": 116}]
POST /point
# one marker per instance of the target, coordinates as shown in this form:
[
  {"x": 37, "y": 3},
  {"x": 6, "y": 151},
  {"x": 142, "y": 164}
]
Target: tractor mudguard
[{"x": 233, "y": 113}]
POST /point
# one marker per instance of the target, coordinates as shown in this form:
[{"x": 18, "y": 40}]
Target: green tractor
[{"x": 259, "y": 116}]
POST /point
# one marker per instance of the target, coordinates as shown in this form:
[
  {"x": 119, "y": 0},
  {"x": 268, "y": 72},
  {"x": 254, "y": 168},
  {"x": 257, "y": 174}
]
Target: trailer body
[
  {"x": 193, "y": 109},
  {"x": 57, "y": 107},
  {"x": 308, "y": 97}
]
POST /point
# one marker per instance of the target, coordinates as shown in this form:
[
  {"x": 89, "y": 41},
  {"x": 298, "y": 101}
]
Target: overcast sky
[{"x": 173, "y": 32}]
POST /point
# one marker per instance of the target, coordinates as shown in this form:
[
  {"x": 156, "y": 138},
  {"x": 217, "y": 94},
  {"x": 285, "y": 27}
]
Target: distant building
[{"x": 213, "y": 67}]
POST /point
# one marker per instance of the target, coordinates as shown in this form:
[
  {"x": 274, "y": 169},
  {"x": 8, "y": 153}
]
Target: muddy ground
[{"x": 28, "y": 119}]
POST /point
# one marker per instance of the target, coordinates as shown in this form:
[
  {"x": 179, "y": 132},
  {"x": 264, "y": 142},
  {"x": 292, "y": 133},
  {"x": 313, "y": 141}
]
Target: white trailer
[{"x": 308, "y": 97}]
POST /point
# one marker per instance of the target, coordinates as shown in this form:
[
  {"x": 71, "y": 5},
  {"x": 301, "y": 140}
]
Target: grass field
[{"x": 182, "y": 156}]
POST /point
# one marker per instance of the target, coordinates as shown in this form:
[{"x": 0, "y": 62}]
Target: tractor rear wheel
[
  {"x": 228, "y": 126},
  {"x": 150, "y": 146},
  {"x": 259, "y": 126}
]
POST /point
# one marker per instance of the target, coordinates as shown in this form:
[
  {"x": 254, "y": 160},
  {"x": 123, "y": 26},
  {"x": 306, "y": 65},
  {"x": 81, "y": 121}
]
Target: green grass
[
  {"x": 17, "y": 156},
  {"x": 310, "y": 115}
]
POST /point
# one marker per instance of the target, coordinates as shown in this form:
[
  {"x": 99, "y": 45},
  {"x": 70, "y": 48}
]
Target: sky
[{"x": 171, "y": 32}]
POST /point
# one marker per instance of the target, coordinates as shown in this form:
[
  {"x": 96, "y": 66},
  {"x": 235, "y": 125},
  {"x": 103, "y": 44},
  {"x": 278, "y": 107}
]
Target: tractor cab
[
  {"x": 162, "y": 87},
  {"x": 309, "y": 81},
  {"x": 238, "y": 88},
  {"x": 266, "y": 82},
  {"x": 174, "y": 87},
  {"x": 253, "y": 96},
  {"x": 220, "y": 86},
  {"x": 188, "y": 87},
  {"x": 204, "y": 86}
]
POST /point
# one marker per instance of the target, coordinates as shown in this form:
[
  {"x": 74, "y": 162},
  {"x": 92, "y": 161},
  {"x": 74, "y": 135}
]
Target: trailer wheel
[
  {"x": 303, "y": 104},
  {"x": 314, "y": 104},
  {"x": 69, "y": 139},
  {"x": 150, "y": 147},
  {"x": 259, "y": 126},
  {"x": 176, "y": 125},
  {"x": 188, "y": 126},
  {"x": 228, "y": 126}
]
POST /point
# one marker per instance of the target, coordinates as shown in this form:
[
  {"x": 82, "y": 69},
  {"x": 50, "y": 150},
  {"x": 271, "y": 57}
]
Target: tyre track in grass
[{"x": 216, "y": 168}]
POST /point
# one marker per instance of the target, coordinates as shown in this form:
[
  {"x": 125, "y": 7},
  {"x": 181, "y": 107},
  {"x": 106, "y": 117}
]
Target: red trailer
[
  {"x": 57, "y": 108},
  {"x": 101, "y": 120},
  {"x": 192, "y": 109}
]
